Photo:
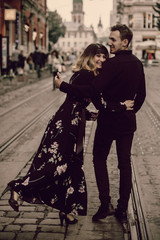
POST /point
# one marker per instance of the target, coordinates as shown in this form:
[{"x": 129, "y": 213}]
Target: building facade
[
  {"x": 24, "y": 22},
  {"x": 102, "y": 35},
  {"x": 77, "y": 36},
  {"x": 140, "y": 17}
]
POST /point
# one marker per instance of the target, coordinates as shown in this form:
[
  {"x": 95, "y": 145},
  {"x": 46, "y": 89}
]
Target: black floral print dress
[{"x": 56, "y": 175}]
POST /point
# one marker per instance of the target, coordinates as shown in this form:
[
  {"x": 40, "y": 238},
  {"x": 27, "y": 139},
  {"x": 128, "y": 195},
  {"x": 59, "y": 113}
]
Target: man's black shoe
[
  {"x": 103, "y": 212},
  {"x": 121, "y": 215}
]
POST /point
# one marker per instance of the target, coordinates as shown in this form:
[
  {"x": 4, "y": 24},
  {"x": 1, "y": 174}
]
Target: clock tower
[{"x": 77, "y": 13}]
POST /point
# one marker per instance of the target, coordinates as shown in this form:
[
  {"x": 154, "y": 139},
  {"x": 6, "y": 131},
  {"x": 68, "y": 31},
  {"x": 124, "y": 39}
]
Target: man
[
  {"x": 122, "y": 78},
  {"x": 37, "y": 59},
  {"x": 15, "y": 60}
]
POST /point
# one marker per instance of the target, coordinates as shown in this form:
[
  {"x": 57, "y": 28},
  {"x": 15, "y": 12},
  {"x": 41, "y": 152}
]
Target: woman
[
  {"x": 56, "y": 175},
  {"x": 57, "y": 62}
]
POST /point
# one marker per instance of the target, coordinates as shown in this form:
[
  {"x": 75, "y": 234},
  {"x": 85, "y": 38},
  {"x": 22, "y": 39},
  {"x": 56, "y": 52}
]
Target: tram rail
[
  {"x": 25, "y": 100},
  {"x": 23, "y": 130},
  {"x": 138, "y": 224}
]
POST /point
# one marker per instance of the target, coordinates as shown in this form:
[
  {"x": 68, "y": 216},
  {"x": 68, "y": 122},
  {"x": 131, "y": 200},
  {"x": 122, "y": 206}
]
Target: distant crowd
[{"x": 37, "y": 60}]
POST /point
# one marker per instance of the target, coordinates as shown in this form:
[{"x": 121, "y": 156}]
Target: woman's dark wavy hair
[
  {"x": 125, "y": 32},
  {"x": 85, "y": 61}
]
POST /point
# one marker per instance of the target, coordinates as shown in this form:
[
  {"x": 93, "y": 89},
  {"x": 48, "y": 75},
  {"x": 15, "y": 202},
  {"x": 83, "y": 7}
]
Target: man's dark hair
[{"x": 125, "y": 32}]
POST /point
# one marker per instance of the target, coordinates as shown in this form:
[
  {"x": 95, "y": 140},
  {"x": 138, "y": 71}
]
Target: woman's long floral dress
[{"x": 56, "y": 176}]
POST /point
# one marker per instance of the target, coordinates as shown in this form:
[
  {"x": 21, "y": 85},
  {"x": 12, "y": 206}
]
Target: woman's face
[{"x": 98, "y": 59}]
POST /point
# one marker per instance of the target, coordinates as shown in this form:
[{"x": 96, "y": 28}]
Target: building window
[
  {"x": 130, "y": 21},
  {"x": 148, "y": 20},
  {"x": 153, "y": 21},
  {"x": 75, "y": 44},
  {"x": 68, "y": 44},
  {"x": 144, "y": 20},
  {"x": 79, "y": 19}
]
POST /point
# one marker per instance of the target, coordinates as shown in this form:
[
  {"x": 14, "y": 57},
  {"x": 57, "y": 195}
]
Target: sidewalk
[{"x": 9, "y": 83}]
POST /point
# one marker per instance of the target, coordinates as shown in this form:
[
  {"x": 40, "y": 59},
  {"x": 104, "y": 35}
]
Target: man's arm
[{"x": 141, "y": 94}]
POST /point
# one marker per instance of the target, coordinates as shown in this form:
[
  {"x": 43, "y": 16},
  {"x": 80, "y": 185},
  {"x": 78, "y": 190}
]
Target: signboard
[
  {"x": 10, "y": 14},
  {"x": 4, "y": 54}
]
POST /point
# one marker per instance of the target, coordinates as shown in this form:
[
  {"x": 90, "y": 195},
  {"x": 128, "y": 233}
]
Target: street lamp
[
  {"x": 34, "y": 35},
  {"x": 26, "y": 28},
  {"x": 41, "y": 35},
  {"x": 41, "y": 38}
]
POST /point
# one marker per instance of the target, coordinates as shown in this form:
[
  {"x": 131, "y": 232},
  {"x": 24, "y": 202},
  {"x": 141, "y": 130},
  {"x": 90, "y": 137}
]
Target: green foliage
[
  {"x": 120, "y": 7},
  {"x": 157, "y": 10},
  {"x": 56, "y": 26}
]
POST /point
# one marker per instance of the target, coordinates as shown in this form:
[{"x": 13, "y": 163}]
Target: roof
[
  {"x": 71, "y": 26},
  {"x": 77, "y": 1}
]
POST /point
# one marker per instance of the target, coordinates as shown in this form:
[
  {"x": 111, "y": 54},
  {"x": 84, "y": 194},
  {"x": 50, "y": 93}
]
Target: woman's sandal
[
  {"x": 12, "y": 202},
  {"x": 64, "y": 216}
]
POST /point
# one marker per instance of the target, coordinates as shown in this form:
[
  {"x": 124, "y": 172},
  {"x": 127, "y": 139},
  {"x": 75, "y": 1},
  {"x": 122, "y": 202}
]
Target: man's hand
[
  {"x": 58, "y": 80},
  {"x": 129, "y": 104}
]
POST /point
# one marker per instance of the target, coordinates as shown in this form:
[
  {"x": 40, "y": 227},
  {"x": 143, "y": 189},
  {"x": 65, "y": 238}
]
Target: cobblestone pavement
[
  {"x": 41, "y": 222},
  {"x": 146, "y": 153},
  {"x": 36, "y": 222}
]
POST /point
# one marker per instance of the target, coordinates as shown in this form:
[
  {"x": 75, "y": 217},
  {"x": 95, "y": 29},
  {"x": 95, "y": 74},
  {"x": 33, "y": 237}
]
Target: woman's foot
[
  {"x": 69, "y": 219},
  {"x": 13, "y": 201}
]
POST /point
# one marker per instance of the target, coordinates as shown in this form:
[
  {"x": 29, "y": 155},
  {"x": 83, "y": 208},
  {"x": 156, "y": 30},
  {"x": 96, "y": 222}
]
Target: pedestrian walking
[
  {"x": 49, "y": 61},
  {"x": 56, "y": 64},
  {"x": 21, "y": 63},
  {"x": 30, "y": 62},
  {"x": 150, "y": 59},
  {"x": 122, "y": 77},
  {"x": 37, "y": 60},
  {"x": 72, "y": 58},
  {"x": 15, "y": 60}
]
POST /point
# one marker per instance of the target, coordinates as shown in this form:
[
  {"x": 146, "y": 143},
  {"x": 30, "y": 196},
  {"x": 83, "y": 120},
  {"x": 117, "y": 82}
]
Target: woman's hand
[
  {"x": 58, "y": 80},
  {"x": 129, "y": 104}
]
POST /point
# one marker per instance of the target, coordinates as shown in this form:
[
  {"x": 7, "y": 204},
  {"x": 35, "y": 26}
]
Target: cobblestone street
[{"x": 37, "y": 222}]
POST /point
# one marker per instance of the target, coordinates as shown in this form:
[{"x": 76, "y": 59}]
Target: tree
[
  {"x": 157, "y": 10},
  {"x": 120, "y": 10},
  {"x": 56, "y": 27}
]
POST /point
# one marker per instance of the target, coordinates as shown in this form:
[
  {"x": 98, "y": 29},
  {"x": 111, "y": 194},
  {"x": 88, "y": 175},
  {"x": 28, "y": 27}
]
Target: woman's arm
[
  {"x": 89, "y": 91},
  {"x": 86, "y": 90}
]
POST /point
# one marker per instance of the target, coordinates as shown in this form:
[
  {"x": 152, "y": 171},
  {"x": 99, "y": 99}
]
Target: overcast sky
[{"x": 94, "y": 9}]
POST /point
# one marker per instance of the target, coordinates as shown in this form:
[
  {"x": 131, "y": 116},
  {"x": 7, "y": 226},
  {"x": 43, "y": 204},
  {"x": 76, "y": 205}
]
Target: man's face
[{"x": 115, "y": 42}]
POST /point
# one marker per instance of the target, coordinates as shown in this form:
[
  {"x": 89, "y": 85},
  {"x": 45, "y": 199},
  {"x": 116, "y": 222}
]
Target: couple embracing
[{"x": 116, "y": 86}]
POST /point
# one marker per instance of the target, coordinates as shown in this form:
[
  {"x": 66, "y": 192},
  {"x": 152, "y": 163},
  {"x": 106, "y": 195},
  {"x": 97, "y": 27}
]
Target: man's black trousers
[{"x": 102, "y": 145}]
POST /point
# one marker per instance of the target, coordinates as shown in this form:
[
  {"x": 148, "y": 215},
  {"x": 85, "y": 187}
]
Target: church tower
[
  {"x": 77, "y": 13},
  {"x": 100, "y": 26}
]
